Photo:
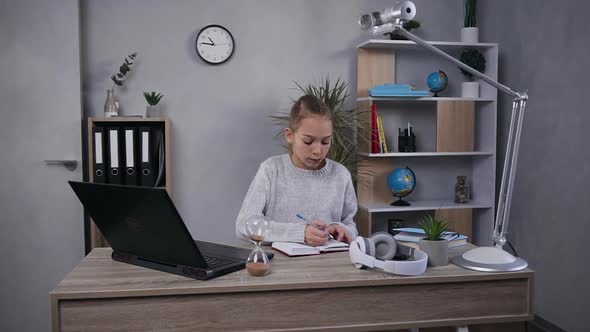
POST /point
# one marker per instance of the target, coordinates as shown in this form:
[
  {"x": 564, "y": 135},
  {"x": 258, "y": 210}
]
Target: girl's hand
[
  {"x": 339, "y": 233},
  {"x": 316, "y": 234}
]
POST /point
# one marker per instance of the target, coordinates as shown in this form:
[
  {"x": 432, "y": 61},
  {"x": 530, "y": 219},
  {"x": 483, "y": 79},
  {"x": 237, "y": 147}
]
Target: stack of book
[
  {"x": 379, "y": 144},
  {"x": 397, "y": 90},
  {"x": 411, "y": 237}
]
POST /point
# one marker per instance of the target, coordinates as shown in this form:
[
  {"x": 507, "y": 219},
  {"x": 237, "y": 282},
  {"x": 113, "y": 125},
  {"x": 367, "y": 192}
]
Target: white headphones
[{"x": 378, "y": 252}]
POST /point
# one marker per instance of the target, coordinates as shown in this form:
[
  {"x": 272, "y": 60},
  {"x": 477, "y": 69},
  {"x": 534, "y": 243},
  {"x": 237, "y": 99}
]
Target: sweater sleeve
[
  {"x": 349, "y": 209},
  {"x": 255, "y": 206}
]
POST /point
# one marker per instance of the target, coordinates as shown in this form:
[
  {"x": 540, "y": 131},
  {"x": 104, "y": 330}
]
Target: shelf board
[
  {"x": 424, "y": 154},
  {"x": 423, "y": 99},
  {"x": 409, "y": 45},
  {"x": 128, "y": 119},
  {"x": 422, "y": 206}
]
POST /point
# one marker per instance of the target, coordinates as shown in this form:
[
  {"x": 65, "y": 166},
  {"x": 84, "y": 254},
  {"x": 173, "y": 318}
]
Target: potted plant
[
  {"x": 409, "y": 25},
  {"x": 346, "y": 121},
  {"x": 474, "y": 59},
  {"x": 152, "y": 109},
  {"x": 434, "y": 245},
  {"x": 469, "y": 34},
  {"x": 111, "y": 105}
]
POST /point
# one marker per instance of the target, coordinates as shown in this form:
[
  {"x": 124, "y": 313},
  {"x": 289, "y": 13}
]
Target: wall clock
[{"x": 214, "y": 44}]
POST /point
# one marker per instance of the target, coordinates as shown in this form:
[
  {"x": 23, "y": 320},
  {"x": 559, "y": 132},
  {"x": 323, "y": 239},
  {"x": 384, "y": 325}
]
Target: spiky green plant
[
  {"x": 433, "y": 227},
  {"x": 346, "y": 122},
  {"x": 470, "y": 13},
  {"x": 152, "y": 98},
  {"x": 119, "y": 78}
]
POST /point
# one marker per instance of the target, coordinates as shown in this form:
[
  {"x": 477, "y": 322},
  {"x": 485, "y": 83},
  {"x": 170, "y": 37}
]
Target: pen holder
[{"x": 406, "y": 143}]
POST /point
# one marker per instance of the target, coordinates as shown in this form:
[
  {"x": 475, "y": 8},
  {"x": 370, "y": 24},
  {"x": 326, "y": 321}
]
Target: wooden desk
[{"x": 319, "y": 293}]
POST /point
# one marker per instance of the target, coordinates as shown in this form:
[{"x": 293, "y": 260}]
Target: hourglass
[{"x": 258, "y": 263}]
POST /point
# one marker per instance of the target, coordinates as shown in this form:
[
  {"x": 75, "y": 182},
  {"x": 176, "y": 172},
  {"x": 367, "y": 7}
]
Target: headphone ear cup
[{"x": 384, "y": 246}]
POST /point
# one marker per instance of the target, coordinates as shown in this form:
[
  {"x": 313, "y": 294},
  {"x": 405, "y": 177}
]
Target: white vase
[
  {"x": 469, "y": 35},
  {"x": 470, "y": 89},
  {"x": 111, "y": 105},
  {"x": 152, "y": 111}
]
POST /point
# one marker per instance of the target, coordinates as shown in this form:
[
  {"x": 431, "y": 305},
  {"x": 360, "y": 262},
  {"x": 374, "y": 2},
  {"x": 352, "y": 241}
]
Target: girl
[{"x": 303, "y": 184}]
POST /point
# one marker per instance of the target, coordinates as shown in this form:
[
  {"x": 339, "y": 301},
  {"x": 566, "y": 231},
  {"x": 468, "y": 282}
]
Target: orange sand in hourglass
[
  {"x": 256, "y": 238},
  {"x": 257, "y": 269}
]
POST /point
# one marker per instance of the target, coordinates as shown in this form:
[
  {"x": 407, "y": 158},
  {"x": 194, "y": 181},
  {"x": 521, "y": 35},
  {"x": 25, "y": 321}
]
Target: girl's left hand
[{"x": 339, "y": 233}]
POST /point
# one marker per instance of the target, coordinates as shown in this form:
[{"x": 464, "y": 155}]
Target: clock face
[{"x": 214, "y": 44}]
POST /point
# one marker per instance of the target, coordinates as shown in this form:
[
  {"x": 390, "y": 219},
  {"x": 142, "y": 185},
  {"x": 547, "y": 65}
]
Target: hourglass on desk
[{"x": 258, "y": 263}]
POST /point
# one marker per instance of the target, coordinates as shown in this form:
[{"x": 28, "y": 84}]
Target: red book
[{"x": 375, "y": 133}]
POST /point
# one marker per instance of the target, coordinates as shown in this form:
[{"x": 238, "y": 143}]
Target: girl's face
[{"x": 310, "y": 142}]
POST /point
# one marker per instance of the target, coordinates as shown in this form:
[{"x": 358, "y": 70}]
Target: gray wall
[
  {"x": 544, "y": 50},
  {"x": 220, "y": 114}
]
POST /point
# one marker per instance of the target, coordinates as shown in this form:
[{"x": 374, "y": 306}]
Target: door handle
[{"x": 69, "y": 164}]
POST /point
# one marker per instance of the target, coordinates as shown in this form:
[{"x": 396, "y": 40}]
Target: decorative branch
[{"x": 119, "y": 78}]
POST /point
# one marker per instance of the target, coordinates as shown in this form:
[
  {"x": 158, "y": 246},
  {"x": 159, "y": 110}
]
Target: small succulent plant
[
  {"x": 433, "y": 227},
  {"x": 152, "y": 98}
]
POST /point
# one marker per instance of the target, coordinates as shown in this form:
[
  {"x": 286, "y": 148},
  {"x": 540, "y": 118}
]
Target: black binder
[
  {"x": 130, "y": 152},
  {"x": 114, "y": 156},
  {"x": 99, "y": 153},
  {"x": 146, "y": 161}
]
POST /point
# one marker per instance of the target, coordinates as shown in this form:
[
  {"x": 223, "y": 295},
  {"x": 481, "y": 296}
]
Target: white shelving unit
[{"x": 435, "y": 164}]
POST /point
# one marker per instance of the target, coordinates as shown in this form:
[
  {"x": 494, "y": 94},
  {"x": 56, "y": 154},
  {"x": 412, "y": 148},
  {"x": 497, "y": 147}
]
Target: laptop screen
[{"x": 140, "y": 221}]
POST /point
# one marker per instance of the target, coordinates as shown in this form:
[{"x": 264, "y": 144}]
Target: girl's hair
[{"x": 306, "y": 106}]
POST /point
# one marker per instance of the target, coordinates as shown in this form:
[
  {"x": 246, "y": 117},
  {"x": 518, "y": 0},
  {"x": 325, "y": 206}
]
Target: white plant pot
[
  {"x": 469, "y": 35},
  {"x": 152, "y": 111},
  {"x": 470, "y": 89}
]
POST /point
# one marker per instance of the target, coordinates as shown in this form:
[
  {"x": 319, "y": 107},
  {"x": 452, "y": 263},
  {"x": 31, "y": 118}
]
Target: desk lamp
[{"x": 491, "y": 258}]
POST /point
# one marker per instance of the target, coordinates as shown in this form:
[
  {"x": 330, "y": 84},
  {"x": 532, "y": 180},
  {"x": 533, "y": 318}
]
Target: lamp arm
[
  {"x": 518, "y": 107},
  {"x": 397, "y": 27}
]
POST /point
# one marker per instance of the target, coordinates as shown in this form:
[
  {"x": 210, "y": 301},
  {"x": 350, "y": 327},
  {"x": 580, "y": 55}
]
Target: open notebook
[{"x": 298, "y": 249}]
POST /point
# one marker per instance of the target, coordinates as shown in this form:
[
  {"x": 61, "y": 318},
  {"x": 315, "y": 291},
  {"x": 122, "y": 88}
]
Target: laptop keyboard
[{"x": 214, "y": 262}]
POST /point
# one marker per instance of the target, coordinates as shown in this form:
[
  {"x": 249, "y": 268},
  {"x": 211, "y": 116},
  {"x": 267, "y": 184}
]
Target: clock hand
[
  {"x": 211, "y": 40},
  {"x": 207, "y": 44}
]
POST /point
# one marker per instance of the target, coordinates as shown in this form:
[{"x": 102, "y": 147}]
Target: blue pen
[{"x": 310, "y": 223}]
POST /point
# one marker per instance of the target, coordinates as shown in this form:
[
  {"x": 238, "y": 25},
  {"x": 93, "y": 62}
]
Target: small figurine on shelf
[
  {"x": 152, "y": 109},
  {"x": 461, "y": 190}
]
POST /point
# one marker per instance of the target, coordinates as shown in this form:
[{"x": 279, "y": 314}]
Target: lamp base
[{"x": 489, "y": 259}]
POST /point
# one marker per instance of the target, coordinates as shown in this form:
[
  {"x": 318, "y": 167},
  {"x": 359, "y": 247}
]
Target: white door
[{"x": 41, "y": 227}]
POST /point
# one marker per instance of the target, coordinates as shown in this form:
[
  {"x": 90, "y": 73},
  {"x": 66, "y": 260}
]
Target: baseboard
[{"x": 543, "y": 325}]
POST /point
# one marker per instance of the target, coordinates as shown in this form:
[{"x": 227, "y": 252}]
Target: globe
[
  {"x": 437, "y": 81},
  {"x": 402, "y": 182}
]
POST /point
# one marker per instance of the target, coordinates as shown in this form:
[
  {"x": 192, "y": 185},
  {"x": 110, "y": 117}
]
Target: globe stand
[{"x": 400, "y": 202}]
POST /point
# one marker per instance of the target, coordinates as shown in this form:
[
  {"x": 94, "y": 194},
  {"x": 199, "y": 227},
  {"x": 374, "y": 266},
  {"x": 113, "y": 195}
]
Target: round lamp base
[{"x": 489, "y": 259}]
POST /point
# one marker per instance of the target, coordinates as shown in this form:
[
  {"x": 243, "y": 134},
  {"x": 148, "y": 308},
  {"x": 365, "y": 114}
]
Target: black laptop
[{"x": 144, "y": 228}]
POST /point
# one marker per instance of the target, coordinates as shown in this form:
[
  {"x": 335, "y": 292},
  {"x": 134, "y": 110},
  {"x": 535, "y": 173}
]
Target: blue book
[{"x": 411, "y": 93}]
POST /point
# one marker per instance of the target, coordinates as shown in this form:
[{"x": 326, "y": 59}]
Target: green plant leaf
[{"x": 433, "y": 227}]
